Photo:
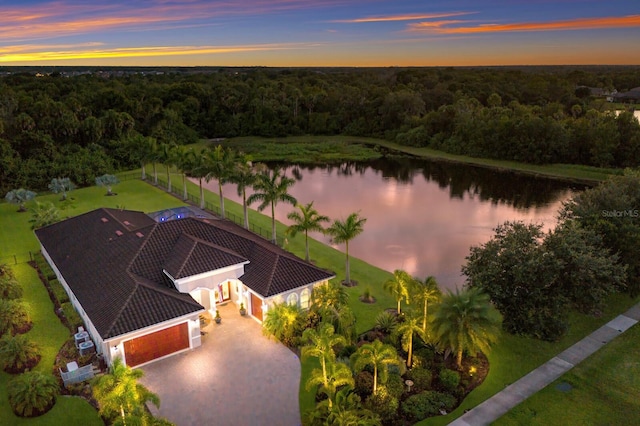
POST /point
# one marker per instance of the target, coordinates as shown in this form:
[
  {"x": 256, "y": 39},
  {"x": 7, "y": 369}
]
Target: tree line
[{"x": 85, "y": 126}]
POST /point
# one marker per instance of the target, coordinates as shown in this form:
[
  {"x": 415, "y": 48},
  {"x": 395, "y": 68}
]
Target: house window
[
  {"x": 292, "y": 299},
  {"x": 304, "y": 298}
]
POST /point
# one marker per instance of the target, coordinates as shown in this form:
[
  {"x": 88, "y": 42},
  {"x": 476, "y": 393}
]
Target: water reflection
[{"x": 422, "y": 216}]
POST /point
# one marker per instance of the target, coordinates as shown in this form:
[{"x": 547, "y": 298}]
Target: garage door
[{"x": 155, "y": 345}]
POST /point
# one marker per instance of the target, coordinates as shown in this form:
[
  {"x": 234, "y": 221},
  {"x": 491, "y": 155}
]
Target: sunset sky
[{"x": 319, "y": 32}]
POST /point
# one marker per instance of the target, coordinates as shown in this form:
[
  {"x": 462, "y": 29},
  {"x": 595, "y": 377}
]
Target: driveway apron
[{"x": 237, "y": 377}]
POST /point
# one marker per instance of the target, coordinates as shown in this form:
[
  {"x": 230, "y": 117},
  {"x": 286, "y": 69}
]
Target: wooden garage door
[
  {"x": 256, "y": 306},
  {"x": 155, "y": 345}
]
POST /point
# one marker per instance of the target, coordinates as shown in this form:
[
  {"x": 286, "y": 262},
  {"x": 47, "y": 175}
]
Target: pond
[{"x": 422, "y": 216}]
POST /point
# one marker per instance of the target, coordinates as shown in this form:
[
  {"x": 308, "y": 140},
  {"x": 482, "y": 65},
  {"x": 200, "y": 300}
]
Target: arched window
[
  {"x": 304, "y": 299},
  {"x": 292, "y": 299}
]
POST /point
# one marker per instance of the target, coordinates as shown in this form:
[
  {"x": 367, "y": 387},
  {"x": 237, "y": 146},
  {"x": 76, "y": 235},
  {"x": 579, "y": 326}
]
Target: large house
[{"x": 140, "y": 282}]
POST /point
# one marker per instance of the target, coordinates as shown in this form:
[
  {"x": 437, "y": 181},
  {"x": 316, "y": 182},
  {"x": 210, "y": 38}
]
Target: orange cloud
[
  {"x": 396, "y": 18},
  {"x": 566, "y": 25},
  {"x": 34, "y": 53}
]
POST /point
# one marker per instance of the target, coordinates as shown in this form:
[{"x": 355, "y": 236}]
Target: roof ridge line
[
  {"x": 141, "y": 281},
  {"x": 186, "y": 258}
]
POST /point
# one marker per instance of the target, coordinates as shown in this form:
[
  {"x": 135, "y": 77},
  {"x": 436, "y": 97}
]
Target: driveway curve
[{"x": 237, "y": 377}]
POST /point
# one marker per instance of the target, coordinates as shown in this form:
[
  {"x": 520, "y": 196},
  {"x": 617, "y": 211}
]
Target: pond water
[{"x": 422, "y": 216}]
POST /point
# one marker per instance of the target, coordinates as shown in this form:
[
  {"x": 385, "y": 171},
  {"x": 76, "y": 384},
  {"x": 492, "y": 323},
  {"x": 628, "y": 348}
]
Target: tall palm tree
[
  {"x": 466, "y": 321},
  {"x": 378, "y": 355},
  {"x": 398, "y": 286},
  {"x": 119, "y": 394},
  {"x": 271, "y": 187},
  {"x": 244, "y": 177},
  {"x": 198, "y": 170},
  {"x": 320, "y": 345},
  {"x": 166, "y": 157},
  {"x": 183, "y": 160},
  {"x": 32, "y": 393},
  {"x": 18, "y": 353},
  {"x": 407, "y": 330},
  {"x": 308, "y": 219},
  {"x": 219, "y": 163},
  {"x": 345, "y": 231},
  {"x": 424, "y": 293},
  {"x": 337, "y": 375}
]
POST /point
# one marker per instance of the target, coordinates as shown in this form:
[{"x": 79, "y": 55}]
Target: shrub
[
  {"x": 73, "y": 318},
  {"x": 17, "y": 353},
  {"x": 395, "y": 385},
  {"x": 9, "y": 288},
  {"x": 386, "y": 322},
  {"x": 14, "y": 317},
  {"x": 421, "y": 378},
  {"x": 32, "y": 394},
  {"x": 384, "y": 405},
  {"x": 425, "y": 404},
  {"x": 449, "y": 379},
  {"x": 347, "y": 351},
  {"x": 423, "y": 357},
  {"x": 363, "y": 384},
  {"x": 58, "y": 291}
]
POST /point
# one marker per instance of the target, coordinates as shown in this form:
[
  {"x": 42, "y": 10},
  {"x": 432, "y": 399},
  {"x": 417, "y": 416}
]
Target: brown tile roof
[{"x": 118, "y": 276}]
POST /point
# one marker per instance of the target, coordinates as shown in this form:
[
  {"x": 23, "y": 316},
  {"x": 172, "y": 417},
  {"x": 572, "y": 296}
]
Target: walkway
[
  {"x": 237, "y": 377},
  {"x": 499, "y": 404}
]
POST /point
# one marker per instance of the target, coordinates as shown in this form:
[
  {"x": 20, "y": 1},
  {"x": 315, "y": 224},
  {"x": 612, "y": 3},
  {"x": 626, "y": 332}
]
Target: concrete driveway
[{"x": 237, "y": 377}]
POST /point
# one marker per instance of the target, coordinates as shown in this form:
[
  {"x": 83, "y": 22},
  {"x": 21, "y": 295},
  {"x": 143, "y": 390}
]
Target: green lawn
[{"x": 604, "y": 390}]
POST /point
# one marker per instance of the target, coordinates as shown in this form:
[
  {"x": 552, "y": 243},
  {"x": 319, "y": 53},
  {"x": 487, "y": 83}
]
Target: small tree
[
  {"x": 18, "y": 353},
  {"x": 282, "y": 321},
  {"x": 120, "y": 395},
  {"x": 378, "y": 355},
  {"x": 9, "y": 287},
  {"x": 61, "y": 186},
  {"x": 398, "y": 286},
  {"x": 407, "y": 330},
  {"x": 32, "y": 394},
  {"x": 320, "y": 345},
  {"x": 423, "y": 293},
  {"x": 307, "y": 219},
  {"x": 345, "y": 231},
  {"x": 337, "y": 375},
  {"x": 44, "y": 214},
  {"x": 107, "y": 181},
  {"x": 20, "y": 197},
  {"x": 13, "y": 316}
]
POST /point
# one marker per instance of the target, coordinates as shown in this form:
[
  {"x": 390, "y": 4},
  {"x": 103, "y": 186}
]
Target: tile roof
[{"x": 113, "y": 260}]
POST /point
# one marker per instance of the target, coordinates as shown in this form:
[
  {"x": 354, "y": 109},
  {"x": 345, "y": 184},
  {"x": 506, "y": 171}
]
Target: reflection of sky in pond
[{"x": 414, "y": 225}]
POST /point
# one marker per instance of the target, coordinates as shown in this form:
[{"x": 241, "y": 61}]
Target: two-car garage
[{"x": 157, "y": 344}]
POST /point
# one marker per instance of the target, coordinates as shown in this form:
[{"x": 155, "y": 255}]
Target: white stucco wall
[{"x": 208, "y": 279}]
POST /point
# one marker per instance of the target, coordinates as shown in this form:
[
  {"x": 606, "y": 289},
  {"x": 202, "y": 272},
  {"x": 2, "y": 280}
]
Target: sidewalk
[{"x": 499, "y": 404}]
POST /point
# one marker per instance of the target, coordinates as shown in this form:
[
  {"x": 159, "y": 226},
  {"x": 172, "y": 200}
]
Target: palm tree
[
  {"x": 424, "y": 293},
  {"x": 244, "y": 177},
  {"x": 18, "y": 353},
  {"x": 337, "y": 375},
  {"x": 107, "y": 181},
  {"x": 145, "y": 148},
  {"x": 183, "y": 160},
  {"x": 44, "y": 214},
  {"x": 9, "y": 287},
  {"x": 378, "y": 355},
  {"x": 321, "y": 344},
  {"x": 119, "y": 394},
  {"x": 198, "y": 170},
  {"x": 166, "y": 156},
  {"x": 346, "y": 411},
  {"x": 328, "y": 295},
  {"x": 281, "y": 321},
  {"x": 61, "y": 186},
  {"x": 466, "y": 321},
  {"x": 398, "y": 286},
  {"x": 270, "y": 188},
  {"x": 219, "y": 163},
  {"x": 343, "y": 232},
  {"x": 306, "y": 220},
  {"x": 32, "y": 394},
  {"x": 13, "y": 316},
  {"x": 407, "y": 330},
  {"x": 20, "y": 196}
]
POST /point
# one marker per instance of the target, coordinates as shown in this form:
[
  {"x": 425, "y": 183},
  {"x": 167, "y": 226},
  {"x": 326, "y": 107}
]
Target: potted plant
[
  {"x": 218, "y": 318},
  {"x": 243, "y": 311}
]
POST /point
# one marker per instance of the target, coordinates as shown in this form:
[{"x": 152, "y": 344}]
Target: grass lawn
[
  {"x": 604, "y": 390},
  {"x": 305, "y": 149}
]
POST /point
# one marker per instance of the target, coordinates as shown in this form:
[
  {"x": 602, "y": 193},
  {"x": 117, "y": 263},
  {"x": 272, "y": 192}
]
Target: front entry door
[{"x": 256, "y": 306}]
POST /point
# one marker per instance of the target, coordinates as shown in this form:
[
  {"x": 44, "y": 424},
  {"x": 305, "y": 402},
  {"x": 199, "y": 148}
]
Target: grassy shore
[
  {"x": 511, "y": 358},
  {"x": 328, "y": 149}
]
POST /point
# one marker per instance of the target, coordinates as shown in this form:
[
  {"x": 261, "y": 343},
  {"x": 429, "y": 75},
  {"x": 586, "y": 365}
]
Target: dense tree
[
  {"x": 398, "y": 286},
  {"x": 466, "y": 322},
  {"x": 32, "y": 394},
  {"x": 307, "y": 219},
  {"x": 271, "y": 187},
  {"x": 345, "y": 231},
  {"x": 379, "y": 356},
  {"x": 119, "y": 394}
]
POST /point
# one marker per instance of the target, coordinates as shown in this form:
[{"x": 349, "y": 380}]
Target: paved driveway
[{"x": 237, "y": 377}]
